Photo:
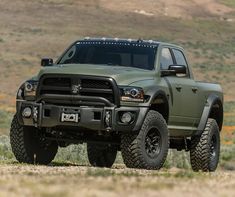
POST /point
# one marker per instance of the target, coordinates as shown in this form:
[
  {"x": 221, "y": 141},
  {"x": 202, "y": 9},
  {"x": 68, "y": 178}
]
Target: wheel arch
[
  {"x": 159, "y": 103},
  {"x": 213, "y": 109}
]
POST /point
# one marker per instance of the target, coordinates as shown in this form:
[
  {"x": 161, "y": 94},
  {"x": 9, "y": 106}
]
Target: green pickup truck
[{"x": 134, "y": 96}]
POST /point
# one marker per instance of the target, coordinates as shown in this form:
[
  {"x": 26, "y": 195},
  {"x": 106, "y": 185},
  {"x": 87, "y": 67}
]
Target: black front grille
[
  {"x": 99, "y": 84},
  {"x": 57, "y": 82},
  {"x": 87, "y": 86}
]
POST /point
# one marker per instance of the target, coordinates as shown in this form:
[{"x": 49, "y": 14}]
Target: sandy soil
[
  {"x": 171, "y": 8},
  {"x": 21, "y": 180}
]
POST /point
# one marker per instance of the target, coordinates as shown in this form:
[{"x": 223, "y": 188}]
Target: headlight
[
  {"x": 30, "y": 88},
  {"x": 132, "y": 94}
]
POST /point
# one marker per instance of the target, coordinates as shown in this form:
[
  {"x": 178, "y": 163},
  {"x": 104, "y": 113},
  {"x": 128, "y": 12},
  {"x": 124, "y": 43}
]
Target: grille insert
[{"x": 62, "y": 85}]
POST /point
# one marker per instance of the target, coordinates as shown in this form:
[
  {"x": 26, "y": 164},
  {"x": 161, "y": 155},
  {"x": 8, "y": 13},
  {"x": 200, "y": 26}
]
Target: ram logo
[{"x": 76, "y": 89}]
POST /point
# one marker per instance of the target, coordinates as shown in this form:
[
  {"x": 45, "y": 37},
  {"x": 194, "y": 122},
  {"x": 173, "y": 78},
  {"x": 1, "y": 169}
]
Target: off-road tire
[
  {"x": 27, "y": 147},
  {"x": 100, "y": 155},
  {"x": 205, "y": 149},
  {"x": 134, "y": 145}
]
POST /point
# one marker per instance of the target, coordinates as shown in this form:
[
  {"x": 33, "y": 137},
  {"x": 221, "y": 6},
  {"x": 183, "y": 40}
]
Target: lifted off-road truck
[{"x": 134, "y": 96}]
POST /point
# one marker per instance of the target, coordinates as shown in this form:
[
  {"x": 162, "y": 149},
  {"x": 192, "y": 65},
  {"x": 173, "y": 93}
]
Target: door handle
[
  {"x": 178, "y": 87},
  {"x": 194, "y": 89}
]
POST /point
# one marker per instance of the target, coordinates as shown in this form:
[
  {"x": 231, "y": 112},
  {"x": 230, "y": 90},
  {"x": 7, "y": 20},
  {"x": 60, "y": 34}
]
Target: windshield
[{"x": 113, "y": 54}]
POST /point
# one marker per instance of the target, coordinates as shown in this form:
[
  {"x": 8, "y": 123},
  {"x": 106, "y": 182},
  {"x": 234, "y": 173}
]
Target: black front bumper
[{"x": 93, "y": 118}]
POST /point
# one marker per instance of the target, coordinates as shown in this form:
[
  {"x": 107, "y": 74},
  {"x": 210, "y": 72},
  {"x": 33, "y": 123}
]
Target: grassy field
[
  {"x": 71, "y": 175},
  {"x": 32, "y": 29},
  {"x": 63, "y": 181}
]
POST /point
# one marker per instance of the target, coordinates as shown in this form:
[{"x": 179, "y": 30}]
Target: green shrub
[
  {"x": 230, "y": 3},
  {"x": 77, "y": 154},
  {"x": 227, "y": 153},
  {"x": 73, "y": 153},
  {"x": 5, "y": 148},
  {"x": 5, "y": 122}
]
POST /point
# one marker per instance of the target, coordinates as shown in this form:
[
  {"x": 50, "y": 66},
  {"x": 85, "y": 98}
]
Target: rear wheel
[
  {"x": 29, "y": 147},
  {"x": 147, "y": 149},
  {"x": 100, "y": 155},
  {"x": 205, "y": 149}
]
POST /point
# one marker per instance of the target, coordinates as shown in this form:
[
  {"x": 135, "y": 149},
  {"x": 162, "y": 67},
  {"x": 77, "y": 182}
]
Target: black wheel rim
[
  {"x": 153, "y": 143},
  {"x": 213, "y": 145}
]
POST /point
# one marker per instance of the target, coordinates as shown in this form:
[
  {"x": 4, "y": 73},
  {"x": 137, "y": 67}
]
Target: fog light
[
  {"x": 27, "y": 112},
  {"x": 35, "y": 114},
  {"x": 108, "y": 118},
  {"x": 126, "y": 117}
]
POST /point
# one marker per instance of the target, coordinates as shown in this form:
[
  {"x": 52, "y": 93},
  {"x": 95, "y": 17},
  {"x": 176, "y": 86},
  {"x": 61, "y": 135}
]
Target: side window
[
  {"x": 166, "y": 59},
  {"x": 179, "y": 57},
  {"x": 180, "y": 60}
]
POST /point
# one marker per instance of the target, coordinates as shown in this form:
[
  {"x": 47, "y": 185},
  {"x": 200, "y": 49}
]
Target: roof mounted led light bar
[{"x": 104, "y": 39}]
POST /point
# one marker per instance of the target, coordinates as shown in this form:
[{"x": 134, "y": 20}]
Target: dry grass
[
  {"x": 228, "y": 135},
  {"x": 70, "y": 175},
  {"x": 119, "y": 181},
  {"x": 171, "y": 8}
]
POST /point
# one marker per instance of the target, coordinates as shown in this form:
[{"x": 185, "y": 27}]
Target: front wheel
[
  {"x": 28, "y": 147},
  {"x": 205, "y": 149},
  {"x": 101, "y": 155},
  {"x": 148, "y": 148}
]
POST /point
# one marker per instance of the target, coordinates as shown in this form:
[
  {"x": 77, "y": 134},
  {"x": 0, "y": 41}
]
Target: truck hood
[{"x": 122, "y": 75}]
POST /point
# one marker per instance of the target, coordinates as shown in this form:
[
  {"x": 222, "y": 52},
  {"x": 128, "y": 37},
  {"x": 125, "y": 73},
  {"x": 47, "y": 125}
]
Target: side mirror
[
  {"x": 178, "y": 69},
  {"x": 174, "y": 70},
  {"x": 46, "y": 62}
]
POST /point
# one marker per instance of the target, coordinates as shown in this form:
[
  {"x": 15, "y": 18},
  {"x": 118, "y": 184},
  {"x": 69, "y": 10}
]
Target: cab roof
[{"x": 151, "y": 43}]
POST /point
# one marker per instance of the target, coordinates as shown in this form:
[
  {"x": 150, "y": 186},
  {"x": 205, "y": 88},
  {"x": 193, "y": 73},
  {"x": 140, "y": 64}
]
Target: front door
[{"x": 183, "y": 91}]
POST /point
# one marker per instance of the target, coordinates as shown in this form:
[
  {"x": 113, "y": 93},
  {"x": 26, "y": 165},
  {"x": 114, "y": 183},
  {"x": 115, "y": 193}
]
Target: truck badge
[{"x": 76, "y": 89}]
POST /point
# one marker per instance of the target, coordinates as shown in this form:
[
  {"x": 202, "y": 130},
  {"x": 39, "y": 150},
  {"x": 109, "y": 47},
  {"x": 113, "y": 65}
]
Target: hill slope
[{"x": 34, "y": 29}]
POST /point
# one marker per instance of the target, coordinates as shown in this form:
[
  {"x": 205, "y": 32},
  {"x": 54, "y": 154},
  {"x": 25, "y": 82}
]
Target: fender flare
[
  {"x": 153, "y": 93},
  {"x": 211, "y": 100},
  {"x": 163, "y": 96}
]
